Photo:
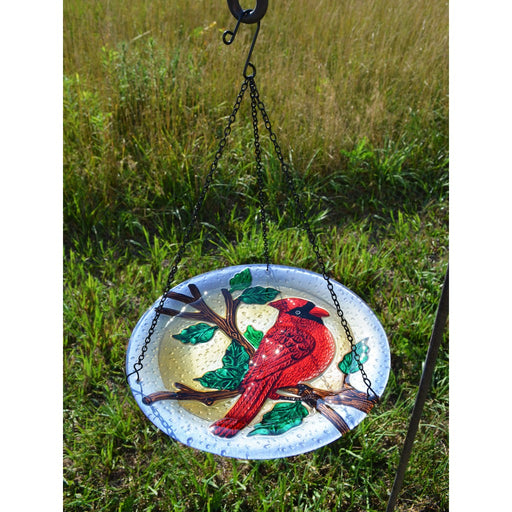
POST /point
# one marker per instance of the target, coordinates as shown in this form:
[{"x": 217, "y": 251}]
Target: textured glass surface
[{"x": 195, "y": 352}]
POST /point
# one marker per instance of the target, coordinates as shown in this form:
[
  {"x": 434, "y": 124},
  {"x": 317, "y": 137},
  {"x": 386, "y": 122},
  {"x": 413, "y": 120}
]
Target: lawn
[{"x": 357, "y": 93}]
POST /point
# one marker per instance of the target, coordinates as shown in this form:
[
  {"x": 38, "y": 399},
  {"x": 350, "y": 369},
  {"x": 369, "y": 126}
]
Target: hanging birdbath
[
  {"x": 257, "y": 361},
  {"x": 253, "y": 363}
]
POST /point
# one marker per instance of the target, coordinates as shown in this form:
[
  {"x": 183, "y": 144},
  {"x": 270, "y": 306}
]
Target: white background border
[{"x": 480, "y": 42}]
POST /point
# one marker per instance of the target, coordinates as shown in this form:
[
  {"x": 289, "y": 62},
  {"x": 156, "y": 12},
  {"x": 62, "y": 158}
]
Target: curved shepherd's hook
[{"x": 246, "y": 16}]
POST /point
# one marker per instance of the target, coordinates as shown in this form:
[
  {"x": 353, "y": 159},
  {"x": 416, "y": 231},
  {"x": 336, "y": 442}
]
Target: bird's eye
[{"x": 298, "y": 312}]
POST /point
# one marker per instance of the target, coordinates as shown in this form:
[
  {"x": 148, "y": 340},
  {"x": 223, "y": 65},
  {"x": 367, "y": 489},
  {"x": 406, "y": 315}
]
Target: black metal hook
[
  {"x": 249, "y": 16},
  {"x": 232, "y": 33},
  {"x": 229, "y": 36}
]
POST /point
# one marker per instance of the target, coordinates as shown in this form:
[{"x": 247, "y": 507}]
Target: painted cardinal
[{"x": 297, "y": 348}]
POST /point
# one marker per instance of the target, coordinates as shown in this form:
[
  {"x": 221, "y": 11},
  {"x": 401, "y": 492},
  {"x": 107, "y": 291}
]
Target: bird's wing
[{"x": 279, "y": 349}]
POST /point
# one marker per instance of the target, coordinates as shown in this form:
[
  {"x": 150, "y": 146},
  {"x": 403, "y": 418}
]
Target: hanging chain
[
  {"x": 321, "y": 263},
  {"x": 256, "y": 103},
  {"x": 259, "y": 169},
  {"x": 137, "y": 367}
]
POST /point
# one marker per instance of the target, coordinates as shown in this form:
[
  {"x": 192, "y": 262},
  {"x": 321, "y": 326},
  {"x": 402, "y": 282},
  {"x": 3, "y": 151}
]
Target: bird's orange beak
[{"x": 316, "y": 311}]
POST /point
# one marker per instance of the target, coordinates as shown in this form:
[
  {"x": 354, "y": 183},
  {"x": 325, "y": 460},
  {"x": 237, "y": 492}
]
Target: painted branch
[
  {"x": 315, "y": 397},
  {"x": 231, "y": 325},
  {"x": 332, "y": 416},
  {"x": 309, "y": 395},
  {"x": 186, "y": 393},
  {"x": 159, "y": 395},
  {"x": 353, "y": 398},
  {"x": 206, "y": 314},
  {"x": 184, "y": 314},
  {"x": 303, "y": 392},
  {"x": 348, "y": 396},
  {"x": 180, "y": 297}
]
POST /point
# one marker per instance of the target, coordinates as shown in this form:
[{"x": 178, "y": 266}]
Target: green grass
[{"x": 358, "y": 100}]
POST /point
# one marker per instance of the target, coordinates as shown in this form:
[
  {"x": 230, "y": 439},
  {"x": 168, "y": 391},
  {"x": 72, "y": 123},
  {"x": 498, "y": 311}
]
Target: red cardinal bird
[{"x": 297, "y": 348}]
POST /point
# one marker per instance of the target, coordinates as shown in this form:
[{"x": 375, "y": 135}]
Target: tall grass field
[{"x": 357, "y": 92}]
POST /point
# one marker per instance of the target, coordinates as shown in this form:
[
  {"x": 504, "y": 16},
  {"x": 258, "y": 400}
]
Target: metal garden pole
[{"x": 426, "y": 378}]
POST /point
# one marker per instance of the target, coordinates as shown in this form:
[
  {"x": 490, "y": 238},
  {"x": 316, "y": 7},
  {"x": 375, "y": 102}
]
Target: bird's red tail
[{"x": 245, "y": 409}]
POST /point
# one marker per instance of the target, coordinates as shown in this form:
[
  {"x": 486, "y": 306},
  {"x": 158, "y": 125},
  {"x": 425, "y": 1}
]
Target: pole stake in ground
[{"x": 426, "y": 378}]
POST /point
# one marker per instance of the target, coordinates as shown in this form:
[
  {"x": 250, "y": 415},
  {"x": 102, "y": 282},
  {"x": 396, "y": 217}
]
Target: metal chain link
[
  {"x": 259, "y": 169},
  {"x": 321, "y": 263},
  {"x": 256, "y": 103},
  {"x": 137, "y": 367}
]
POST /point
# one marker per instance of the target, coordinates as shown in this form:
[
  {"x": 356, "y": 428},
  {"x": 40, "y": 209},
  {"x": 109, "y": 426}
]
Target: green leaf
[
  {"x": 235, "y": 364},
  {"x": 197, "y": 333},
  {"x": 258, "y": 295},
  {"x": 222, "y": 378},
  {"x": 349, "y": 364},
  {"x": 281, "y": 418},
  {"x": 253, "y": 336},
  {"x": 240, "y": 281},
  {"x": 236, "y": 357}
]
